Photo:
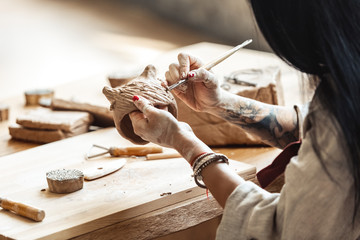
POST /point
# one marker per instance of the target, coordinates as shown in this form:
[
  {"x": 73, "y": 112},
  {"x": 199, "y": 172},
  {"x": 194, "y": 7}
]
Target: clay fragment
[
  {"x": 146, "y": 85},
  {"x": 43, "y": 135},
  {"x": 33, "y": 97},
  {"x": 43, "y": 118},
  {"x": 4, "y": 112},
  {"x": 102, "y": 116},
  {"x": 65, "y": 180}
]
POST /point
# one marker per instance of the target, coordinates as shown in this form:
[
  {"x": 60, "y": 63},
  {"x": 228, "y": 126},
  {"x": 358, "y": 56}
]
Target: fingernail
[
  {"x": 183, "y": 75},
  {"x": 135, "y": 98},
  {"x": 191, "y": 74}
]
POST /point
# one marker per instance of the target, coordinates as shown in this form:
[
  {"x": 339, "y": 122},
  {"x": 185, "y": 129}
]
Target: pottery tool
[
  {"x": 215, "y": 62},
  {"x": 128, "y": 151},
  {"x": 33, "y": 97},
  {"x": 65, "y": 180},
  {"x": 4, "y": 112},
  {"x": 158, "y": 156},
  {"x": 104, "y": 169},
  {"x": 22, "y": 209}
]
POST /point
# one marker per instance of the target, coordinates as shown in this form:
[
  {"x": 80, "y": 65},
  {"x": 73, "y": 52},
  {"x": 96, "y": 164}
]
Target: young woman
[{"x": 321, "y": 197}]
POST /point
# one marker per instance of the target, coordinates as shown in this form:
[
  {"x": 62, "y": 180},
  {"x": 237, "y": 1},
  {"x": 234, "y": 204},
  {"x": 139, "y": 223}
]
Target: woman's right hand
[{"x": 201, "y": 92}]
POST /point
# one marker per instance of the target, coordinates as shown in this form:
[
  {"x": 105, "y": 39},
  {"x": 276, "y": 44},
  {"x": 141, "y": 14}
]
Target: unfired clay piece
[
  {"x": 65, "y": 180},
  {"x": 4, "y": 112},
  {"x": 42, "y": 135},
  {"x": 43, "y": 118},
  {"x": 147, "y": 86}
]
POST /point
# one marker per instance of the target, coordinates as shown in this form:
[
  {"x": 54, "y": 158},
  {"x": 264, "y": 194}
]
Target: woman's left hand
[{"x": 156, "y": 125}]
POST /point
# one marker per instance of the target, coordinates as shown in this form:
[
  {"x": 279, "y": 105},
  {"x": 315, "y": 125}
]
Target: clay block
[
  {"x": 43, "y": 136},
  {"x": 42, "y": 118},
  {"x": 4, "y": 112},
  {"x": 146, "y": 85},
  {"x": 65, "y": 180},
  {"x": 33, "y": 97},
  {"x": 103, "y": 117}
]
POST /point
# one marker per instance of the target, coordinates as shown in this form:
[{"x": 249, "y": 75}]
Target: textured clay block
[
  {"x": 42, "y": 118},
  {"x": 147, "y": 86},
  {"x": 65, "y": 180},
  {"x": 42, "y": 135}
]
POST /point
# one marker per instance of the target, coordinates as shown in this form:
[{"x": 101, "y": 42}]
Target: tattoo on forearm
[{"x": 275, "y": 126}]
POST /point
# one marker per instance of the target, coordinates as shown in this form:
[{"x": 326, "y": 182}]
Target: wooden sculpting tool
[
  {"x": 156, "y": 156},
  {"x": 215, "y": 62},
  {"x": 128, "y": 151},
  {"x": 22, "y": 209}
]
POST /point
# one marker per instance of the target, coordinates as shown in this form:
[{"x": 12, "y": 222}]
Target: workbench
[{"x": 185, "y": 213}]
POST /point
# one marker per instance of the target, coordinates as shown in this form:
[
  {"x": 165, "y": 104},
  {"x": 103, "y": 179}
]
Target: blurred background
[{"x": 44, "y": 43}]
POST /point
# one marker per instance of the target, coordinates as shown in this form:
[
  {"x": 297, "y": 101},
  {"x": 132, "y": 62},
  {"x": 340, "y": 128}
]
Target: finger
[
  {"x": 202, "y": 75},
  {"x": 174, "y": 72},
  {"x": 187, "y": 63},
  {"x": 139, "y": 122},
  {"x": 136, "y": 116},
  {"x": 144, "y": 105}
]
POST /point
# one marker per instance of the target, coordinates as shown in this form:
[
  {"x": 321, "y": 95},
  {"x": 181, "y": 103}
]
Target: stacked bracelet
[{"x": 203, "y": 161}]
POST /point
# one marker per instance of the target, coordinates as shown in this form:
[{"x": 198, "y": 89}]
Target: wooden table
[{"x": 175, "y": 219}]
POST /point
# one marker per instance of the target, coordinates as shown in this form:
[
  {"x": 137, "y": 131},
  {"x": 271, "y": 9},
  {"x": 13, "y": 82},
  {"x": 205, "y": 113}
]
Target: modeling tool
[
  {"x": 104, "y": 169},
  {"x": 158, "y": 156},
  {"x": 22, "y": 209},
  {"x": 215, "y": 62}
]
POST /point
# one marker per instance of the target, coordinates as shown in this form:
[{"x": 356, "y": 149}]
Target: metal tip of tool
[{"x": 89, "y": 156}]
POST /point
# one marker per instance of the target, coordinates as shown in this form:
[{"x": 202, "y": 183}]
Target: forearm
[
  {"x": 274, "y": 125},
  {"x": 221, "y": 181},
  {"x": 218, "y": 177},
  {"x": 188, "y": 145}
]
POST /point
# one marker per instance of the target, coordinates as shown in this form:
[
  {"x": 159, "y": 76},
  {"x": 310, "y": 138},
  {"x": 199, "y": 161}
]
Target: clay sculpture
[{"x": 146, "y": 85}]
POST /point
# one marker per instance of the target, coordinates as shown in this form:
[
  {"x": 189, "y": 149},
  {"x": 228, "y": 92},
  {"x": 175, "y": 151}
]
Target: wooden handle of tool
[
  {"x": 136, "y": 151},
  {"x": 23, "y": 210},
  {"x": 156, "y": 156},
  {"x": 227, "y": 54}
]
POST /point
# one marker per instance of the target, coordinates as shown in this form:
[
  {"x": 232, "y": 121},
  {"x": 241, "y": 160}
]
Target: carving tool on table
[
  {"x": 158, "y": 156},
  {"x": 215, "y": 62},
  {"x": 103, "y": 170},
  {"x": 128, "y": 151},
  {"x": 22, "y": 209}
]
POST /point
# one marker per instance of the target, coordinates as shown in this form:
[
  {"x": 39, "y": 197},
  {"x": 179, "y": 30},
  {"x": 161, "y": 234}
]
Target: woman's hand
[
  {"x": 160, "y": 127},
  {"x": 202, "y": 91},
  {"x": 155, "y": 125}
]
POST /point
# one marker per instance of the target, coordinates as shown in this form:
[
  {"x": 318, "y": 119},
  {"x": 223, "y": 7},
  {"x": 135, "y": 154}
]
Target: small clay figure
[{"x": 146, "y": 85}]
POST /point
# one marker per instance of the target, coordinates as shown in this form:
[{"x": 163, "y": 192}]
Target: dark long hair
[{"x": 322, "y": 38}]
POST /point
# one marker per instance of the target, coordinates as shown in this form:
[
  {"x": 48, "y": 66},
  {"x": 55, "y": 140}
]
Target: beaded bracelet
[
  {"x": 199, "y": 158},
  {"x": 204, "y": 162}
]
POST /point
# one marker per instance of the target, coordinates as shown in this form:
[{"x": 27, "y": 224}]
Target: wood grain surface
[{"x": 138, "y": 188}]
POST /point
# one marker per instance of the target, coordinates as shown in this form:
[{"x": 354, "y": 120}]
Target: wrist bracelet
[
  {"x": 199, "y": 159},
  {"x": 204, "y": 162},
  {"x": 196, "y": 158}
]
